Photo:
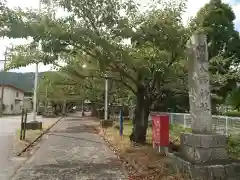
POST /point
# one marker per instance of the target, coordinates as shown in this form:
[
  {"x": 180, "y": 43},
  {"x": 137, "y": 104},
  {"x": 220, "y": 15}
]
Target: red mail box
[{"x": 160, "y": 130}]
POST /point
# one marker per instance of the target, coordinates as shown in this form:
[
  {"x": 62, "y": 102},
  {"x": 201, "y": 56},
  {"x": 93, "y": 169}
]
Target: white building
[{"x": 12, "y": 99}]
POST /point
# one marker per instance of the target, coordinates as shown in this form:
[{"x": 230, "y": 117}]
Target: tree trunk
[
  {"x": 140, "y": 120},
  {"x": 94, "y": 112},
  {"x": 45, "y": 106},
  {"x": 64, "y": 107}
]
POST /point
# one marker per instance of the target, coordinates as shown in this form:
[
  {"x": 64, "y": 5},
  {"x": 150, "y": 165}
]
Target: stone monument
[
  {"x": 203, "y": 154},
  {"x": 49, "y": 112},
  {"x": 40, "y": 110}
]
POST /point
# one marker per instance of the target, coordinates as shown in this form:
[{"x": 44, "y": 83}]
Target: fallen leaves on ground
[{"x": 141, "y": 162}]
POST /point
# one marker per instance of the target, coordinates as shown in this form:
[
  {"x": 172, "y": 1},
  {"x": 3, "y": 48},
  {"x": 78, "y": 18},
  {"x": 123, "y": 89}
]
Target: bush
[
  {"x": 232, "y": 113},
  {"x": 233, "y": 146}
]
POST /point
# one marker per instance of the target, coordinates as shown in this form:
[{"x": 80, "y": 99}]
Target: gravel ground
[{"x": 72, "y": 150}]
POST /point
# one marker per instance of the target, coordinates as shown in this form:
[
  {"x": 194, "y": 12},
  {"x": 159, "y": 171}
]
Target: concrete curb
[{"x": 44, "y": 132}]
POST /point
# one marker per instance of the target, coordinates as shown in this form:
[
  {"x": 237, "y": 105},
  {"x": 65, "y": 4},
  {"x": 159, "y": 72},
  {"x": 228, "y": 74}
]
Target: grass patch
[
  {"x": 175, "y": 132},
  {"x": 147, "y": 162},
  {"x": 30, "y": 136}
]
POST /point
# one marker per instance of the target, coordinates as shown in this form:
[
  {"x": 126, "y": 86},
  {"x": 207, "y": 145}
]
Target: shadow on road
[
  {"x": 73, "y": 170},
  {"x": 74, "y": 119},
  {"x": 65, "y": 136},
  {"x": 77, "y": 129}
]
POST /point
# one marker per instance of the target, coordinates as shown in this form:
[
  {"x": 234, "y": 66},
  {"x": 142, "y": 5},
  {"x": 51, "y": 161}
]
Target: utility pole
[
  {"x": 36, "y": 79},
  {"x": 35, "y": 94},
  {"x": 2, "y": 92},
  {"x": 46, "y": 99},
  {"x": 106, "y": 99},
  {"x": 82, "y": 107},
  {"x": 64, "y": 106}
]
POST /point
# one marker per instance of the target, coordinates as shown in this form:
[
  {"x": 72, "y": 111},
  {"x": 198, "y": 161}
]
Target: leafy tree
[
  {"x": 216, "y": 20},
  {"x": 233, "y": 98},
  {"x": 59, "y": 90},
  {"x": 57, "y": 87},
  {"x": 175, "y": 97},
  {"x": 95, "y": 32},
  {"x": 73, "y": 82}
]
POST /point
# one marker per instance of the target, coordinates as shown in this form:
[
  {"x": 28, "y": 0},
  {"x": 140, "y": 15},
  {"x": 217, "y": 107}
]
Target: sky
[{"x": 192, "y": 7}]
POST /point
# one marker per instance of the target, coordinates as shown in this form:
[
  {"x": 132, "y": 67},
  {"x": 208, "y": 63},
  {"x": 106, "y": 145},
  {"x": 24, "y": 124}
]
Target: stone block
[
  {"x": 202, "y": 155},
  {"x": 203, "y": 140},
  {"x": 215, "y": 170},
  {"x": 197, "y": 171},
  {"x": 200, "y": 148},
  {"x": 233, "y": 169},
  {"x": 219, "y": 153}
]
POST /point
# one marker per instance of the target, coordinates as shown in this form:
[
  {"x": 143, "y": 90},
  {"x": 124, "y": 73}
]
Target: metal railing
[{"x": 221, "y": 124}]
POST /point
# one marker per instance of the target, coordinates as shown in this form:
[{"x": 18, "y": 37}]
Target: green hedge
[
  {"x": 233, "y": 146},
  {"x": 232, "y": 113}
]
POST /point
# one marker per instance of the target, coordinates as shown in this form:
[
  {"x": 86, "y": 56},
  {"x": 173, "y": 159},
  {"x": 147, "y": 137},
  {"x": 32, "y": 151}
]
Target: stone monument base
[
  {"x": 34, "y": 125},
  {"x": 200, "y": 148},
  {"x": 227, "y": 169},
  {"x": 106, "y": 123},
  {"x": 204, "y": 157}
]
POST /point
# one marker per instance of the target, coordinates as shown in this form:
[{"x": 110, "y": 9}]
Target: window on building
[{"x": 17, "y": 94}]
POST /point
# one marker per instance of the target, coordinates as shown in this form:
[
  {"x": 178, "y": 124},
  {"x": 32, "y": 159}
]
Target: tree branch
[{"x": 124, "y": 83}]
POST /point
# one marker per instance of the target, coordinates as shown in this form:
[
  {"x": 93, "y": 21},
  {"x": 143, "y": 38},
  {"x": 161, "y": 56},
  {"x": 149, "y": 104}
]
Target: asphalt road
[{"x": 8, "y": 128}]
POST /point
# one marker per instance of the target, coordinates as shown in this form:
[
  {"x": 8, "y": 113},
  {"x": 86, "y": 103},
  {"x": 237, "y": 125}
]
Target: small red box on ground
[{"x": 160, "y": 129}]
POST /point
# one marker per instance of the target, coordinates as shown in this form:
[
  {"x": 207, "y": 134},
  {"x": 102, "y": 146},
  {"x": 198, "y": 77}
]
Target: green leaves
[
  {"x": 215, "y": 19},
  {"x": 56, "y": 86},
  {"x": 23, "y": 55},
  {"x": 94, "y": 33}
]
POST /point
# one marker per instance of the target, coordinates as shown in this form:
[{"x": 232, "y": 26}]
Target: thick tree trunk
[
  {"x": 64, "y": 109},
  {"x": 94, "y": 110},
  {"x": 140, "y": 120}
]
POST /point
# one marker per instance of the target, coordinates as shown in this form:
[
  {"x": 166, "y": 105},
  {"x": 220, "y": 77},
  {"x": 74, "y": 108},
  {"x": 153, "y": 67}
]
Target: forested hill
[{"x": 24, "y": 81}]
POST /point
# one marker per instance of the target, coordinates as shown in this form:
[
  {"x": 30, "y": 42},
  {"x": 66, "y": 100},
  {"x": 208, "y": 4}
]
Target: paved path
[
  {"x": 72, "y": 151},
  {"x": 8, "y": 129}
]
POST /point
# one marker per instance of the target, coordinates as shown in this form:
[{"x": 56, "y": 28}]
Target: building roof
[{"x": 11, "y": 86}]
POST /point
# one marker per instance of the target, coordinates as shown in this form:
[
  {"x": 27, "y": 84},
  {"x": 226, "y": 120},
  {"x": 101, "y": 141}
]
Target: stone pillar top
[
  {"x": 197, "y": 39},
  {"x": 199, "y": 88}
]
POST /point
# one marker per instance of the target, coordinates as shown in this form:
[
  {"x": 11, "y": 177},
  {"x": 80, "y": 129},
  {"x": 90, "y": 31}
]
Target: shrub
[
  {"x": 232, "y": 113},
  {"x": 233, "y": 146}
]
